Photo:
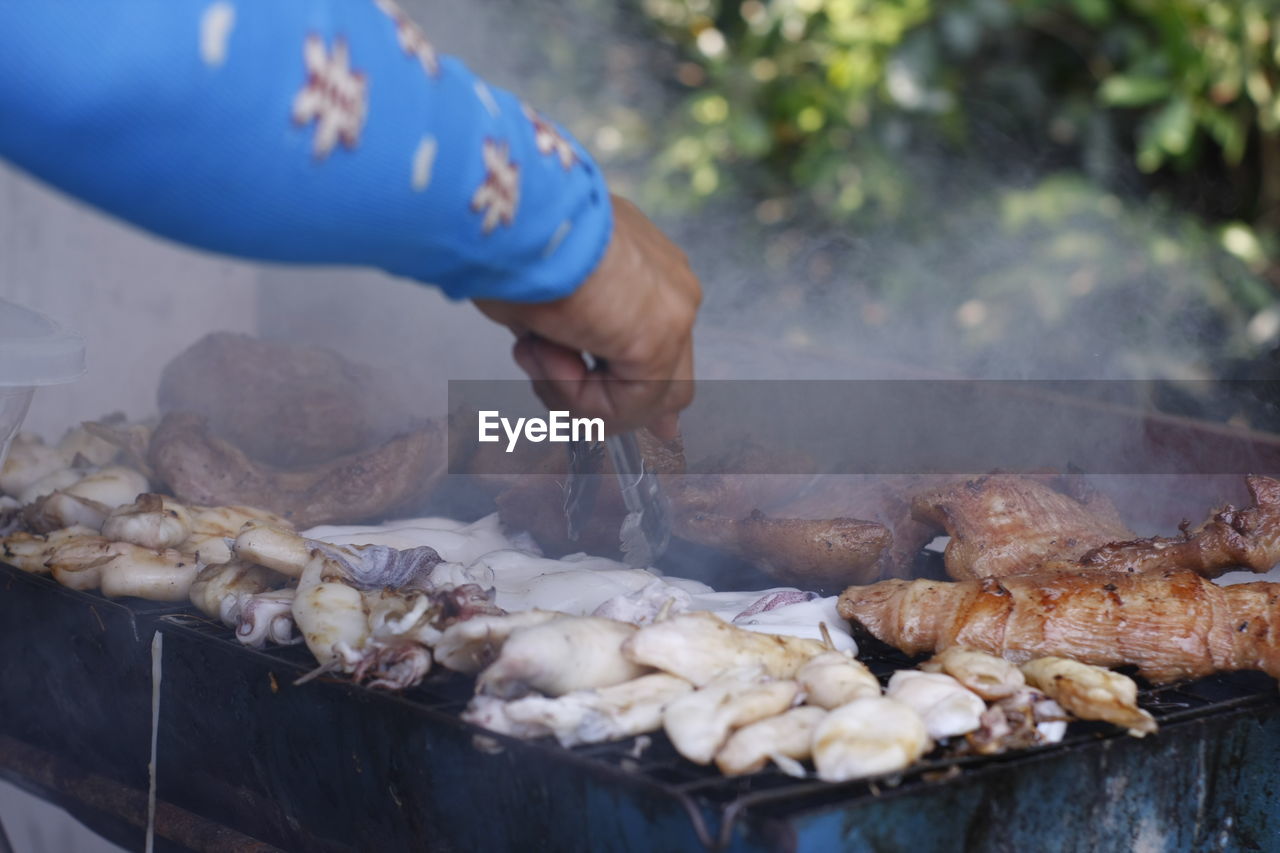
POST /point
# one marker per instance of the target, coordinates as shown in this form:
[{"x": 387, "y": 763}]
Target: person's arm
[
  {"x": 316, "y": 131},
  {"x": 330, "y": 131}
]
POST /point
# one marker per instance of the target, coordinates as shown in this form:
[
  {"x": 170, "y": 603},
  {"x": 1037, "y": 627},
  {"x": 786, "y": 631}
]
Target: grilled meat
[
  {"x": 286, "y": 405},
  {"x": 1171, "y": 625},
  {"x": 387, "y": 480},
  {"x": 1002, "y": 525},
  {"x": 809, "y": 552},
  {"x": 1231, "y": 538}
]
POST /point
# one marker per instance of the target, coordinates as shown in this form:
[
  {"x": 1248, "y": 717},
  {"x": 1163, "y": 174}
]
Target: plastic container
[{"x": 34, "y": 351}]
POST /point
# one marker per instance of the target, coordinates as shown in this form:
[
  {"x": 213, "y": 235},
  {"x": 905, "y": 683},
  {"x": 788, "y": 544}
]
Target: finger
[
  {"x": 666, "y": 427},
  {"x": 523, "y": 351},
  {"x": 559, "y": 364}
]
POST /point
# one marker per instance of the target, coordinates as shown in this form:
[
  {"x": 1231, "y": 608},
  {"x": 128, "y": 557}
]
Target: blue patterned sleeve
[{"x": 306, "y": 131}]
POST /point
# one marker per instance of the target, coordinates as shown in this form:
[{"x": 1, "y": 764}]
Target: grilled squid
[
  {"x": 217, "y": 590},
  {"x": 30, "y": 460},
  {"x": 87, "y": 501},
  {"x": 989, "y": 676},
  {"x": 871, "y": 736},
  {"x": 700, "y": 646},
  {"x": 472, "y": 644},
  {"x": 833, "y": 679},
  {"x": 1024, "y": 719},
  {"x": 152, "y": 521},
  {"x": 80, "y": 447},
  {"x": 213, "y": 526},
  {"x": 76, "y": 562},
  {"x": 330, "y": 604},
  {"x": 329, "y": 613},
  {"x": 275, "y": 547},
  {"x": 700, "y": 722},
  {"x": 49, "y": 484},
  {"x": 1091, "y": 692},
  {"x": 946, "y": 706},
  {"x": 30, "y": 552},
  {"x": 583, "y": 716},
  {"x": 158, "y": 575},
  {"x": 560, "y": 656},
  {"x": 265, "y": 616},
  {"x": 786, "y": 736},
  {"x": 122, "y": 569}
]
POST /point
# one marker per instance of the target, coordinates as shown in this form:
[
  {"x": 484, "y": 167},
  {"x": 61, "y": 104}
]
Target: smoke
[{"x": 1023, "y": 269}]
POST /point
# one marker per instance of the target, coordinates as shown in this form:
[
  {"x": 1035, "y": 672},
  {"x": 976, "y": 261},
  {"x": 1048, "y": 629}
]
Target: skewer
[{"x": 826, "y": 637}]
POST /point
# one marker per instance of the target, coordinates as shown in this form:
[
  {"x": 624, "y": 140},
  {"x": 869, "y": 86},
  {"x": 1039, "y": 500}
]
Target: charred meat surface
[
  {"x": 1002, "y": 525},
  {"x": 809, "y": 552},
  {"x": 283, "y": 404},
  {"x": 1171, "y": 625},
  {"x": 1231, "y": 538},
  {"x": 392, "y": 478}
]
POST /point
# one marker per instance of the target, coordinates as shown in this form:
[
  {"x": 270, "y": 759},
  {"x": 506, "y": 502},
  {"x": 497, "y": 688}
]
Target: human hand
[{"x": 635, "y": 313}]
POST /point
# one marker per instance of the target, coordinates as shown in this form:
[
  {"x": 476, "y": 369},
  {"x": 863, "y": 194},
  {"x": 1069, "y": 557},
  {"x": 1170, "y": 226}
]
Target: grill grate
[{"x": 714, "y": 801}]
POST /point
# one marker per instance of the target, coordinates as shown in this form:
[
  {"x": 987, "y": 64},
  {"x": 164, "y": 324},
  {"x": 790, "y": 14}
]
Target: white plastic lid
[{"x": 35, "y": 350}]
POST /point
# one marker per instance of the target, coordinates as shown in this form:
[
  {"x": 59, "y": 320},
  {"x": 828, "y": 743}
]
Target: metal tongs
[{"x": 646, "y": 530}]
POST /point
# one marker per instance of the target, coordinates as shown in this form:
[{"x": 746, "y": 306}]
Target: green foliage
[
  {"x": 822, "y": 97},
  {"x": 988, "y": 155},
  {"x": 796, "y": 88},
  {"x": 1189, "y": 67}
]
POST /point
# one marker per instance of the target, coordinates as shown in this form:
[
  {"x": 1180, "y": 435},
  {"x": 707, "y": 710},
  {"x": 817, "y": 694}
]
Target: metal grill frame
[{"x": 243, "y": 747}]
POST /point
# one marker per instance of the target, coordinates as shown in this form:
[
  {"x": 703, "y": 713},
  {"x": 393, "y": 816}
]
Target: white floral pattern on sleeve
[
  {"x": 412, "y": 40},
  {"x": 334, "y": 97},
  {"x": 499, "y": 194}
]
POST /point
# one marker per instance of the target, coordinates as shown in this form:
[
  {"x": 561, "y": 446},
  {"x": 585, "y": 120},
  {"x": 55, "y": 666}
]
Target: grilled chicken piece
[
  {"x": 789, "y": 735},
  {"x": 989, "y": 676},
  {"x": 584, "y": 716},
  {"x": 701, "y": 646},
  {"x": 1003, "y": 525},
  {"x": 886, "y": 501},
  {"x": 809, "y": 552},
  {"x": 700, "y": 722},
  {"x": 391, "y": 478},
  {"x": 1091, "y": 692},
  {"x": 1171, "y": 625},
  {"x": 1232, "y": 538},
  {"x": 947, "y": 707},
  {"x": 868, "y": 737}
]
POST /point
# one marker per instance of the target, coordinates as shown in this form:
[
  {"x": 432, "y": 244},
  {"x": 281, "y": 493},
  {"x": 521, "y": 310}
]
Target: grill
[{"x": 246, "y": 760}]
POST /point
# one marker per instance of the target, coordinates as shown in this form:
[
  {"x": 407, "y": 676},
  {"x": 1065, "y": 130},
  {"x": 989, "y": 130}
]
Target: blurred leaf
[{"x": 1124, "y": 90}]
